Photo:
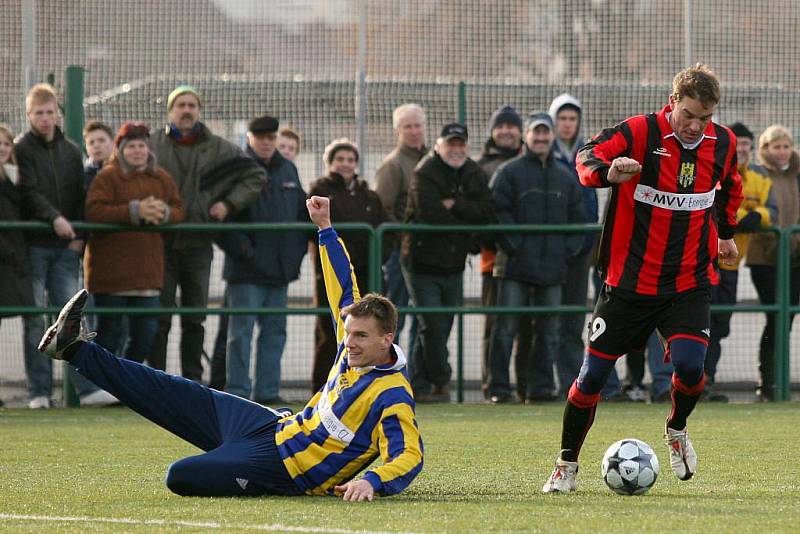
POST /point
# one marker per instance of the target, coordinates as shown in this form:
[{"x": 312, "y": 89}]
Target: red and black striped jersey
[{"x": 660, "y": 231}]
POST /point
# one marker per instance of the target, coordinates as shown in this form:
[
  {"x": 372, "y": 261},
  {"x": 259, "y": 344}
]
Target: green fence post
[
  {"x": 460, "y": 359},
  {"x": 781, "y": 355},
  {"x": 73, "y": 129}
]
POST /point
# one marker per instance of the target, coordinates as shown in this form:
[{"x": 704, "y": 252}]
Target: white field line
[{"x": 177, "y": 522}]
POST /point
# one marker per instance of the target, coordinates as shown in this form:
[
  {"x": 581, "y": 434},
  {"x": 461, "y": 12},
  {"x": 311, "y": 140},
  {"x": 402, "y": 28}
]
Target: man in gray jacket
[
  {"x": 534, "y": 188},
  {"x": 215, "y": 179}
]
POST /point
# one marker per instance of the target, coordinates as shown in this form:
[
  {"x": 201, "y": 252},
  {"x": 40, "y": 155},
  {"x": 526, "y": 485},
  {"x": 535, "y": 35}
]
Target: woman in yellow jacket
[{"x": 776, "y": 150}]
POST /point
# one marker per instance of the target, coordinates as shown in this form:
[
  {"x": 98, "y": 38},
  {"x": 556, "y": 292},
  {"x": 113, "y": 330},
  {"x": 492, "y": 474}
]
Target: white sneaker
[
  {"x": 100, "y": 397},
  {"x": 682, "y": 457},
  {"x": 564, "y": 478},
  {"x": 41, "y": 402},
  {"x": 68, "y": 329}
]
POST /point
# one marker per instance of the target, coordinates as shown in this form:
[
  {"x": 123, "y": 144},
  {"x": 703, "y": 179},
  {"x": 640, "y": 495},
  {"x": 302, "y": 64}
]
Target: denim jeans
[
  {"x": 189, "y": 269},
  {"x": 571, "y": 347},
  {"x": 431, "y": 366},
  {"x": 141, "y": 328},
  {"x": 54, "y": 271},
  {"x": 269, "y": 346},
  {"x": 540, "y": 363}
]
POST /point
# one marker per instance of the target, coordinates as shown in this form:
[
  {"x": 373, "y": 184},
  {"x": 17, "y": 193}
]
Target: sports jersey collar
[
  {"x": 398, "y": 363},
  {"x": 663, "y": 120}
]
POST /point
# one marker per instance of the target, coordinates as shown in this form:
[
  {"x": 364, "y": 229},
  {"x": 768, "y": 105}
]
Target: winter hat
[
  {"x": 335, "y": 146},
  {"x": 740, "y": 130},
  {"x": 505, "y": 115},
  {"x": 131, "y": 130},
  {"x": 182, "y": 90}
]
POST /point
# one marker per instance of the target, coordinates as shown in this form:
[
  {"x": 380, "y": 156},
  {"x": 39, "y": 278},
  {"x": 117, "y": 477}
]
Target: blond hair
[
  {"x": 774, "y": 133},
  {"x": 5, "y": 130},
  {"x": 41, "y": 93}
]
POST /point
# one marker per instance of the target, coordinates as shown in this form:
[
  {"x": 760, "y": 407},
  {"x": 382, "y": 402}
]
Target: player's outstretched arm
[{"x": 337, "y": 271}]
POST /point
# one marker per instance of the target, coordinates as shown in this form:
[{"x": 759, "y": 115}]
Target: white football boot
[
  {"x": 564, "y": 478},
  {"x": 682, "y": 457}
]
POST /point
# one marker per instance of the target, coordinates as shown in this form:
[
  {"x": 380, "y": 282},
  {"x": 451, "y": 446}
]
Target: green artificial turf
[{"x": 484, "y": 469}]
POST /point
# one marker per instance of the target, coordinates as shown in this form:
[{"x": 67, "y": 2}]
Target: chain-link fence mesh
[{"x": 333, "y": 68}]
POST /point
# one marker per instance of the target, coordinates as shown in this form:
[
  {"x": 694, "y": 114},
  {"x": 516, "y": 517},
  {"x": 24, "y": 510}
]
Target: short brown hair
[
  {"x": 92, "y": 126},
  {"x": 698, "y": 82},
  {"x": 41, "y": 93},
  {"x": 291, "y": 134},
  {"x": 377, "y": 306}
]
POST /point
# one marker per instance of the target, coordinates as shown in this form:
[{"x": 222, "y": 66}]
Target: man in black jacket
[
  {"x": 447, "y": 188},
  {"x": 259, "y": 267},
  {"x": 53, "y": 190},
  {"x": 534, "y": 188}
]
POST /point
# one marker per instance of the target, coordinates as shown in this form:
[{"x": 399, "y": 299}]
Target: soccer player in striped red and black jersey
[{"x": 672, "y": 212}]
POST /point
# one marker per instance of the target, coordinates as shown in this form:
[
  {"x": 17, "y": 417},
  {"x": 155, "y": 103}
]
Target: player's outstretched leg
[
  {"x": 578, "y": 418},
  {"x": 688, "y": 382}
]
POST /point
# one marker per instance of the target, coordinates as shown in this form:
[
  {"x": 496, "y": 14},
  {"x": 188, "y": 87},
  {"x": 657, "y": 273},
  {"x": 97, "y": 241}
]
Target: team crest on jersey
[
  {"x": 686, "y": 176},
  {"x": 341, "y": 384}
]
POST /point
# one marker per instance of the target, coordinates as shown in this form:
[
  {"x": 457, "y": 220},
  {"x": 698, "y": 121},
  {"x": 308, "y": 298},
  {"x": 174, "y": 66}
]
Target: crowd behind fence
[{"x": 466, "y": 350}]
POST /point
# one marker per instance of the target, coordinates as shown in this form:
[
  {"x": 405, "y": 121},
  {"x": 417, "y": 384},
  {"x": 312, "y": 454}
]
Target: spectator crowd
[{"x": 183, "y": 172}]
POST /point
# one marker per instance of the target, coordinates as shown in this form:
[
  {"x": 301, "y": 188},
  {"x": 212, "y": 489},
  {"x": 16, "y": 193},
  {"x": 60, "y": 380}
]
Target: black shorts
[{"x": 623, "y": 320}]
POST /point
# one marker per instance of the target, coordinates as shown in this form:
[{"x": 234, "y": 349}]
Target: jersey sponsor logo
[
  {"x": 333, "y": 424},
  {"x": 661, "y": 151},
  {"x": 674, "y": 201},
  {"x": 686, "y": 176}
]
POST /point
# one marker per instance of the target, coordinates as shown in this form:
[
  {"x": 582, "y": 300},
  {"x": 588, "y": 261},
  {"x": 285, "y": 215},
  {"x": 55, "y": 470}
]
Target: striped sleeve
[
  {"x": 730, "y": 195},
  {"x": 400, "y": 448},
  {"x": 594, "y": 159},
  {"x": 340, "y": 280}
]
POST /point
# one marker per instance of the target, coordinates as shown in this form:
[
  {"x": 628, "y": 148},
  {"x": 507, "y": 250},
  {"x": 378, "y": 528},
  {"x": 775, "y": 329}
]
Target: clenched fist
[{"x": 623, "y": 169}]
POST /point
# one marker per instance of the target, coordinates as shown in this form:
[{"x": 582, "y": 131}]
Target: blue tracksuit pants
[{"x": 238, "y": 436}]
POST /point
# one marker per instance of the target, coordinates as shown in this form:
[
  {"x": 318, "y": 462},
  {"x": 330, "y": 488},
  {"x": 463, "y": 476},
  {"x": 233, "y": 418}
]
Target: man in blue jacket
[
  {"x": 534, "y": 188},
  {"x": 259, "y": 267}
]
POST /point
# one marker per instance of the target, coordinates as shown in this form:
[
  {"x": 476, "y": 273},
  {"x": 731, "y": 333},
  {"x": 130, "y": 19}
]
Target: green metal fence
[{"x": 782, "y": 307}]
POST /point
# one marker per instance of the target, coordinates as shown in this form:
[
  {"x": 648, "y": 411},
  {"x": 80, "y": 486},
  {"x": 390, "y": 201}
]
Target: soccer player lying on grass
[{"x": 365, "y": 409}]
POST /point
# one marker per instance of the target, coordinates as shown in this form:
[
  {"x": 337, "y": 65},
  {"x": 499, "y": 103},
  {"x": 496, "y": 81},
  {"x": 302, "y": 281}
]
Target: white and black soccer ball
[{"x": 630, "y": 467}]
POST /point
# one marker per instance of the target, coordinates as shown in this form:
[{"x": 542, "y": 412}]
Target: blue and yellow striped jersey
[{"x": 359, "y": 414}]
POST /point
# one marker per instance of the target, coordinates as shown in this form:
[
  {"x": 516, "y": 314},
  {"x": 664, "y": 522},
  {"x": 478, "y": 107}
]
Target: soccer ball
[{"x": 630, "y": 467}]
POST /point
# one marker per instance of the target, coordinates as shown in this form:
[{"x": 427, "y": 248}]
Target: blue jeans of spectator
[
  {"x": 269, "y": 347},
  {"x": 540, "y": 363},
  {"x": 54, "y": 271},
  {"x": 431, "y": 366},
  {"x": 397, "y": 292},
  {"x": 141, "y": 329}
]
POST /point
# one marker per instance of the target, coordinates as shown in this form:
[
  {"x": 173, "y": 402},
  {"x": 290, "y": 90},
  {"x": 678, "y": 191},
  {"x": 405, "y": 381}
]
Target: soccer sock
[
  {"x": 688, "y": 380},
  {"x": 684, "y": 399},
  {"x": 578, "y": 419},
  {"x": 70, "y": 351}
]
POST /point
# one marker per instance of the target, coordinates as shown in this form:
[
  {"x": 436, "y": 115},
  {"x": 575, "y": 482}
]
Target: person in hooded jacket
[{"x": 567, "y": 114}]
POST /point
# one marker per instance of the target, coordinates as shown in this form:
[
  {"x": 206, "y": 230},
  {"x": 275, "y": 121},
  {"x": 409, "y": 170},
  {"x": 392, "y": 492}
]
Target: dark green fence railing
[{"x": 782, "y": 307}]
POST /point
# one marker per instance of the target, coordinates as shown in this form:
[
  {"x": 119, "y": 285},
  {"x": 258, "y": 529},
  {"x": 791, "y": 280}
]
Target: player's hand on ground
[
  {"x": 623, "y": 169},
  {"x": 319, "y": 209},
  {"x": 63, "y": 228},
  {"x": 355, "y": 490},
  {"x": 728, "y": 251}
]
